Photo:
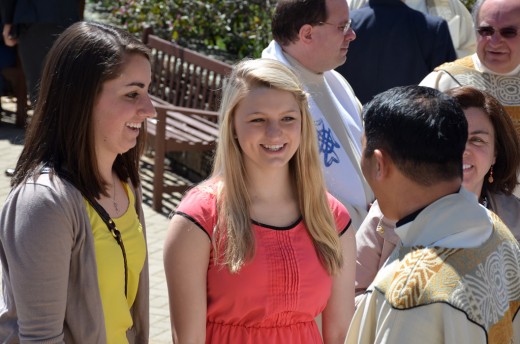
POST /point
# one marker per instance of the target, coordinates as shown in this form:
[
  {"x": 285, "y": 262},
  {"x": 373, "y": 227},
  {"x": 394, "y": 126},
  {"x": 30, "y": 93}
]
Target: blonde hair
[{"x": 234, "y": 239}]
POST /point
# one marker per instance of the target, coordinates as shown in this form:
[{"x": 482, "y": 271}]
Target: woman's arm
[
  {"x": 375, "y": 241},
  {"x": 368, "y": 251},
  {"x": 186, "y": 259},
  {"x": 37, "y": 235},
  {"x": 337, "y": 315}
]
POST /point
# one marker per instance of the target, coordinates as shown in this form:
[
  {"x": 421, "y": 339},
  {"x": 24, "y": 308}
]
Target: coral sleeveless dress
[{"x": 275, "y": 297}]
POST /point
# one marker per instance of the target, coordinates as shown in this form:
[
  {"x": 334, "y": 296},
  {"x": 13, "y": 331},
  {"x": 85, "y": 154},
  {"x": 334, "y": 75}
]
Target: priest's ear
[
  {"x": 305, "y": 33},
  {"x": 381, "y": 165}
]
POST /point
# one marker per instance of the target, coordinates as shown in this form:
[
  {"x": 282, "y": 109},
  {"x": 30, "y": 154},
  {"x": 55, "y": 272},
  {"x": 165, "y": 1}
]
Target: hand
[{"x": 9, "y": 40}]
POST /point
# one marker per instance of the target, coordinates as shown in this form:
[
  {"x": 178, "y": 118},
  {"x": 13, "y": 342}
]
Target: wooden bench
[
  {"x": 185, "y": 90},
  {"x": 183, "y": 77},
  {"x": 177, "y": 129}
]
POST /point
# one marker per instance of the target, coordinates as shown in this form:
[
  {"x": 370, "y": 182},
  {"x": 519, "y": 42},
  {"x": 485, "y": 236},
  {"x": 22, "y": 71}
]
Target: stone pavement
[{"x": 11, "y": 144}]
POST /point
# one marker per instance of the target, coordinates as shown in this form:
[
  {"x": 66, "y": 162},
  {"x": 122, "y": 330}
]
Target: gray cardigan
[
  {"x": 508, "y": 209},
  {"x": 60, "y": 303}
]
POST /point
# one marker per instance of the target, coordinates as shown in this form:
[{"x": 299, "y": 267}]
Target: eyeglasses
[
  {"x": 505, "y": 32},
  {"x": 343, "y": 28}
]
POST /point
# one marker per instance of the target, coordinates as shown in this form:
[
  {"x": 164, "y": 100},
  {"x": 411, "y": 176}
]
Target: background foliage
[
  {"x": 230, "y": 29},
  {"x": 226, "y": 29},
  {"x": 469, "y": 3}
]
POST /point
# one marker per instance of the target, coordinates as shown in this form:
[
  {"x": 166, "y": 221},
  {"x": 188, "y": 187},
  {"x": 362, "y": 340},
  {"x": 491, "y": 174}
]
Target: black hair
[{"x": 423, "y": 130}]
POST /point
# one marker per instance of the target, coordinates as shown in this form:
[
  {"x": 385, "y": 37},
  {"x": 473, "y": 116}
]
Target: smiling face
[
  {"x": 121, "y": 108},
  {"x": 267, "y": 124},
  {"x": 499, "y": 54},
  {"x": 480, "y": 149}
]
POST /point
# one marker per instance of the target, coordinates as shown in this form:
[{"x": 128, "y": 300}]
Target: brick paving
[{"x": 11, "y": 144}]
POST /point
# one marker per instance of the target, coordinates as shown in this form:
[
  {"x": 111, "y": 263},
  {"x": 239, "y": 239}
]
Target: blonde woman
[{"x": 260, "y": 249}]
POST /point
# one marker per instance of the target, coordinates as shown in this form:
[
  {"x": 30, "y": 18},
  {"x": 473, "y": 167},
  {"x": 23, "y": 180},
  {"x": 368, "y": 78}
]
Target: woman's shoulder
[
  {"x": 507, "y": 207},
  {"x": 204, "y": 193},
  {"x": 44, "y": 201},
  {"x": 503, "y": 201},
  {"x": 335, "y": 205},
  {"x": 340, "y": 213},
  {"x": 45, "y": 186},
  {"x": 199, "y": 205}
]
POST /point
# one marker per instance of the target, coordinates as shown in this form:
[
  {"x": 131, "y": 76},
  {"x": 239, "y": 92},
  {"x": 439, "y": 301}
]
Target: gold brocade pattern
[
  {"x": 419, "y": 268},
  {"x": 505, "y": 88},
  {"x": 502, "y": 331},
  {"x": 463, "y": 62},
  {"x": 487, "y": 291}
]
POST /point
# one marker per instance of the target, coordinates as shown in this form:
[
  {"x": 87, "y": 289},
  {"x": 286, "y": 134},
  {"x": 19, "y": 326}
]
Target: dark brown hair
[
  {"x": 291, "y": 15},
  {"x": 507, "y": 144},
  {"x": 60, "y": 134}
]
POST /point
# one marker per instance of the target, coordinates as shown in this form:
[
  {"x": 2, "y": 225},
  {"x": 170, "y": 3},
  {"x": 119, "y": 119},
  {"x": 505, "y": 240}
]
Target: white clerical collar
[
  {"x": 481, "y": 68},
  {"x": 305, "y": 74},
  {"x": 455, "y": 220}
]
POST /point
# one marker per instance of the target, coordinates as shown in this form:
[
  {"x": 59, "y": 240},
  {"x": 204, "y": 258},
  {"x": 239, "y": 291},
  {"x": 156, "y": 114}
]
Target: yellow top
[{"x": 111, "y": 270}]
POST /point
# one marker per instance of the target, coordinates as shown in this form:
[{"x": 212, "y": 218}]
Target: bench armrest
[{"x": 209, "y": 115}]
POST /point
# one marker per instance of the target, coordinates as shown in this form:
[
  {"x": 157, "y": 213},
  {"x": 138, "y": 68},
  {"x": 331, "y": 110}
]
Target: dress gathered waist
[{"x": 293, "y": 333}]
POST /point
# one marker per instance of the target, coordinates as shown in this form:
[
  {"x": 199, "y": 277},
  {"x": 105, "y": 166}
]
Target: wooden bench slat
[
  {"x": 176, "y": 131},
  {"x": 208, "y": 129},
  {"x": 185, "y": 88}
]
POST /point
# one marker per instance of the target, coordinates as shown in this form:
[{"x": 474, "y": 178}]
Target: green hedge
[
  {"x": 227, "y": 29},
  {"x": 230, "y": 29}
]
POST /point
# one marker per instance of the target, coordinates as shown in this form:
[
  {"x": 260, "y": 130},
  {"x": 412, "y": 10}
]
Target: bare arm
[
  {"x": 186, "y": 260},
  {"x": 339, "y": 311}
]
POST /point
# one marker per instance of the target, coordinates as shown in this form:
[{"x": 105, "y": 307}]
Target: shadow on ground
[
  {"x": 170, "y": 201},
  {"x": 8, "y": 131}
]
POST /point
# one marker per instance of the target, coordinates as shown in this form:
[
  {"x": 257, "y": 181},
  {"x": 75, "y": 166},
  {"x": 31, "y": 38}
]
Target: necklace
[{"x": 116, "y": 206}]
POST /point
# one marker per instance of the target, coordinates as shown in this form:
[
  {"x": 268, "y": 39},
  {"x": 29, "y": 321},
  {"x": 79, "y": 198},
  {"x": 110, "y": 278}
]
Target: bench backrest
[{"x": 183, "y": 77}]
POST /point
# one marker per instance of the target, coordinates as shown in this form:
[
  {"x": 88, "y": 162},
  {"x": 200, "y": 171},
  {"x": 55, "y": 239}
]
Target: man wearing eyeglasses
[
  {"x": 312, "y": 37},
  {"x": 495, "y": 67}
]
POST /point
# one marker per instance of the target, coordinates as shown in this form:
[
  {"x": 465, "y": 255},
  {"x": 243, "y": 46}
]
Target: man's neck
[
  {"x": 295, "y": 55},
  {"x": 418, "y": 197}
]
